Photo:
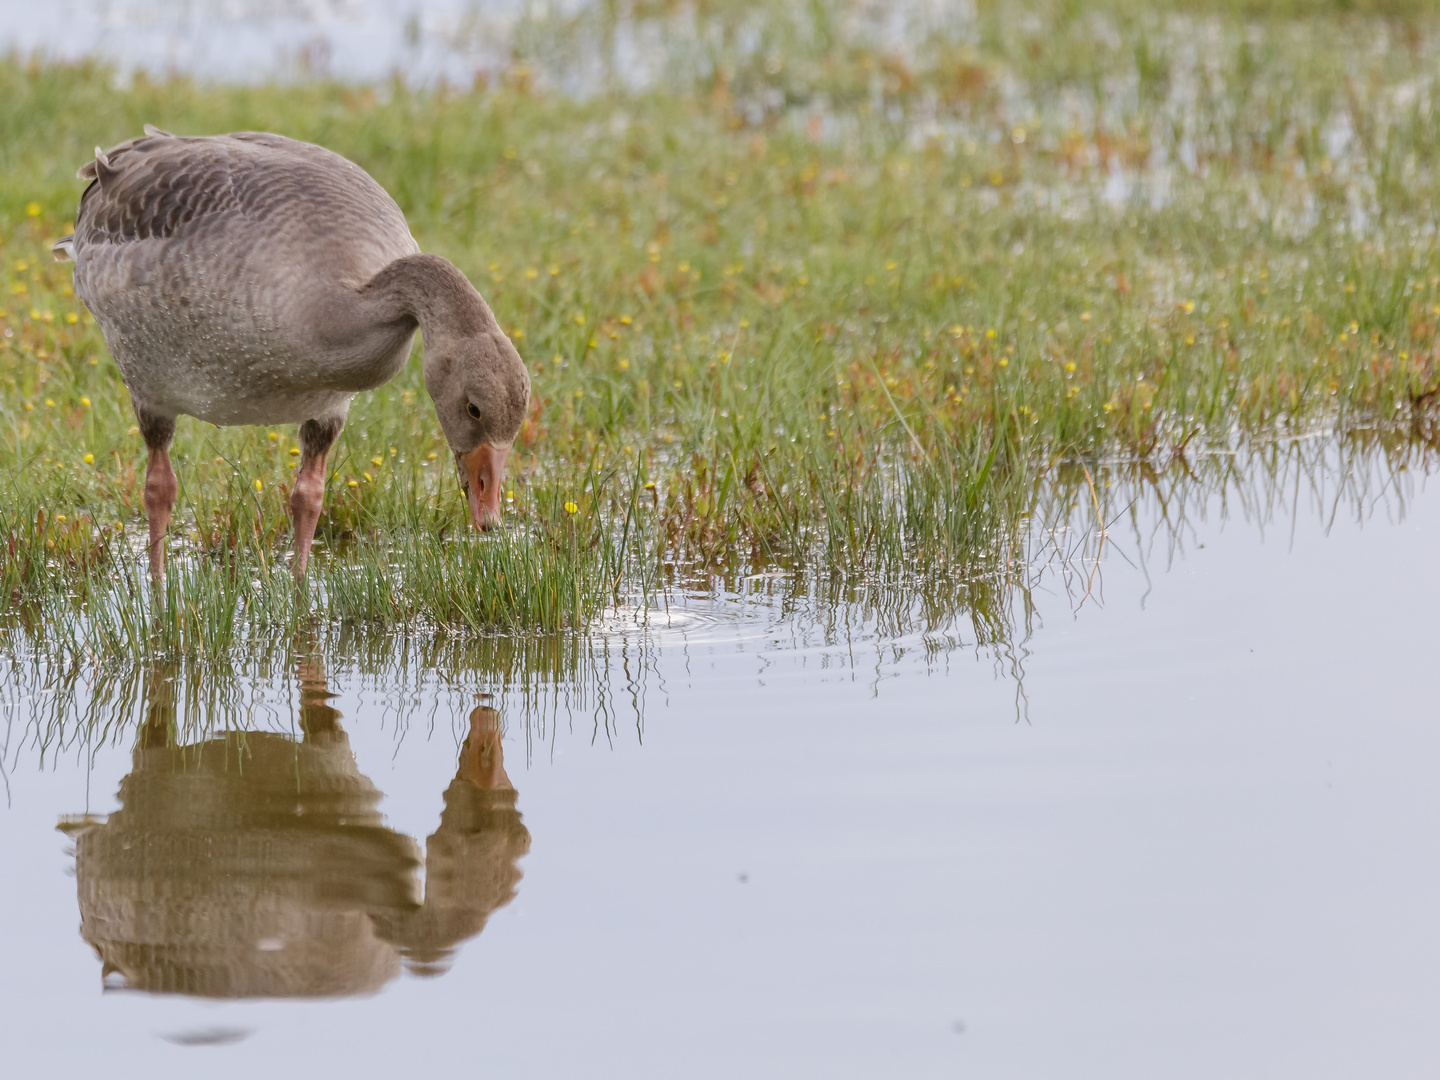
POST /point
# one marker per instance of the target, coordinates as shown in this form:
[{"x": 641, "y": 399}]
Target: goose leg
[
  {"x": 308, "y": 495},
  {"x": 160, "y": 485}
]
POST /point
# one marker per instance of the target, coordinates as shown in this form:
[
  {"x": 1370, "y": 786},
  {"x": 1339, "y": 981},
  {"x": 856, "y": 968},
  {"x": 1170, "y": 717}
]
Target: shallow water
[
  {"x": 250, "y": 40},
  {"x": 1197, "y": 841}
]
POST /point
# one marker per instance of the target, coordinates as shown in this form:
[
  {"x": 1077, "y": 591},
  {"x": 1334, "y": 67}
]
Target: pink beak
[{"x": 484, "y": 468}]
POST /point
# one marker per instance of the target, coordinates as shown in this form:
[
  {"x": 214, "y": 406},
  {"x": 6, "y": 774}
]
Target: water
[
  {"x": 1196, "y": 842},
  {"x": 258, "y": 39}
]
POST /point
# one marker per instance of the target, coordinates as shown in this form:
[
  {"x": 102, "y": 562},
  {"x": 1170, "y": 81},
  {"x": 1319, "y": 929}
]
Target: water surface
[{"x": 1197, "y": 840}]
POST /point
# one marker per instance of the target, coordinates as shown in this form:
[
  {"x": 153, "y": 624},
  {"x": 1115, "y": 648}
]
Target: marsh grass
[
  {"x": 814, "y": 295},
  {"x": 1124, "y": 517}
]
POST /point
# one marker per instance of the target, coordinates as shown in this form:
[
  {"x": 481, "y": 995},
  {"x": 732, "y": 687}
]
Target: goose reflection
[{"x": 258, "y": 865}]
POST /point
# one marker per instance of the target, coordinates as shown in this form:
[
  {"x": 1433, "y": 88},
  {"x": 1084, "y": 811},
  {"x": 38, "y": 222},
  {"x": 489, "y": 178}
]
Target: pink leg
[
  {"x": 160, "y": 487},
  {"x": 308, "y": 495}
]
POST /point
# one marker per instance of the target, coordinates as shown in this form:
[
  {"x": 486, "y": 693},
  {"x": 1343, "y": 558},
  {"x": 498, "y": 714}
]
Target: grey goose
[{"x": 254, "y": 279}]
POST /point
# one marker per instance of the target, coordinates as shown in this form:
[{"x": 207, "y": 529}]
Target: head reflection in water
[{"x": 256, "y": 865}]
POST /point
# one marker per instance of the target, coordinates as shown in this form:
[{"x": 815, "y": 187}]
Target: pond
[{"x": 1179, "y": 820}]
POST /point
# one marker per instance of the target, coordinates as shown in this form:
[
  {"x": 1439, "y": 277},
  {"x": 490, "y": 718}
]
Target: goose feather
[{"x": 225, "y": 273}]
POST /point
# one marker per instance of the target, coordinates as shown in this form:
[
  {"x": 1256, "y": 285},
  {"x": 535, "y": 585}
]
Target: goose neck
[{"x": 431, "y": 291}]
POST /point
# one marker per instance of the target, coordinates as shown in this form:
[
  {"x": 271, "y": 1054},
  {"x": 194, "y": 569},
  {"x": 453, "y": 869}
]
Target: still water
[{"x": 1187, "y": 827}]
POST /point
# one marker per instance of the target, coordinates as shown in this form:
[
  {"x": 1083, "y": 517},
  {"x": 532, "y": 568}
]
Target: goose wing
[
  {"x": 165, "y": 187},
  {"x": 160, "y": 186}
]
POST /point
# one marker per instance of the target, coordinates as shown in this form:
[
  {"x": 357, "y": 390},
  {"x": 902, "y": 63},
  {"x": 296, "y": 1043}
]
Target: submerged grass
[{"x": 810, "y": 293}]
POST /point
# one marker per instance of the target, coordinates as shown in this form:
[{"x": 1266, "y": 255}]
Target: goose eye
[{"x": 473, "y": 410}]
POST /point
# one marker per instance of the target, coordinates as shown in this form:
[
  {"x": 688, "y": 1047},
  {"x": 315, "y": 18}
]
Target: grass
[{"x": 803, "y": 301}]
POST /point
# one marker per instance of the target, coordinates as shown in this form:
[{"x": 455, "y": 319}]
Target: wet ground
[{"x": 1187, "y": 828}]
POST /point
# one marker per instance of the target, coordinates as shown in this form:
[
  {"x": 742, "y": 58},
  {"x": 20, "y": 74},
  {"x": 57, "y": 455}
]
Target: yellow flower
[
  {"x": 351, "y": 483},
  {"x": 531, "y": 273},
  {"x": 368, "y": 478},
  {"x": 554, "y": 269},
  {"x": 625, "y": 320},
  {"x": 294, "y": 451},
  {"x": 430, "y": 456},
  {"x": 1189, "y": 306},
  {"x": 29, "y": 407},
  {"x": 684, "y": 268},
  {"x": 649, "y": 485},
  {"x": 259, "y": 485},
  {"x": 393, "y": 451},
  {"x": 1084, "y": 316},
  {"x": 990, "y": 334},
  {"x": 89, "y": 459},
  {"x": 579, "y": 319},
  {"x": 49, "y": 403},
  {"x": 744, "y": 324},
  {"x": 272, "y": 436},
  {"x": 71, "y": 318},
  {"x": 60, "y": 517},
  {"x": 32, "y": 209},
  {"x": 891, "y": 264},
  {"x": 85, "y": 401},
  {"x": 624, "y": 365},
  {"x": 19, "y": 288},
  {"x": 571, "y": 508},
  {"x": 377, "y": 460}
]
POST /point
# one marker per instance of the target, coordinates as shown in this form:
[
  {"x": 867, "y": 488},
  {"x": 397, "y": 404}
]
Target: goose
[{"x": 250, "y": 278}]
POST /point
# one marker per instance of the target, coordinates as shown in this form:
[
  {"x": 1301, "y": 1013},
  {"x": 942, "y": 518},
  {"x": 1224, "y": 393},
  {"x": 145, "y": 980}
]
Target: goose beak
[{"x": 482, "y": 470}]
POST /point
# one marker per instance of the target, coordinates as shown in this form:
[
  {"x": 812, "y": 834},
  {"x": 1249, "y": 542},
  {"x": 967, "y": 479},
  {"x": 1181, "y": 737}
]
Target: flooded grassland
[
  {"x": 814, "y": 301},
  {"x": 1181, "y": 769},
  {"x": 964, "y": 599}
]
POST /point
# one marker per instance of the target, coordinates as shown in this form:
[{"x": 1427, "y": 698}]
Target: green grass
[{"x": 805, "y": 303}]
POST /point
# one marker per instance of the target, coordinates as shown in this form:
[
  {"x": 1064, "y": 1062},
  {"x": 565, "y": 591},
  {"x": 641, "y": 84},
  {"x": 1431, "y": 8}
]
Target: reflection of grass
[{"x": 821, "y": 303}]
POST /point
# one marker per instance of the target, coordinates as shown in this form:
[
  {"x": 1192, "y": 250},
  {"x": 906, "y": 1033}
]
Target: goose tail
[{"x": 64, "y": 248}]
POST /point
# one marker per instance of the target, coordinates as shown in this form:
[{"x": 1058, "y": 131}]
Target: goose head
[{"x": 481, "y": 392}]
